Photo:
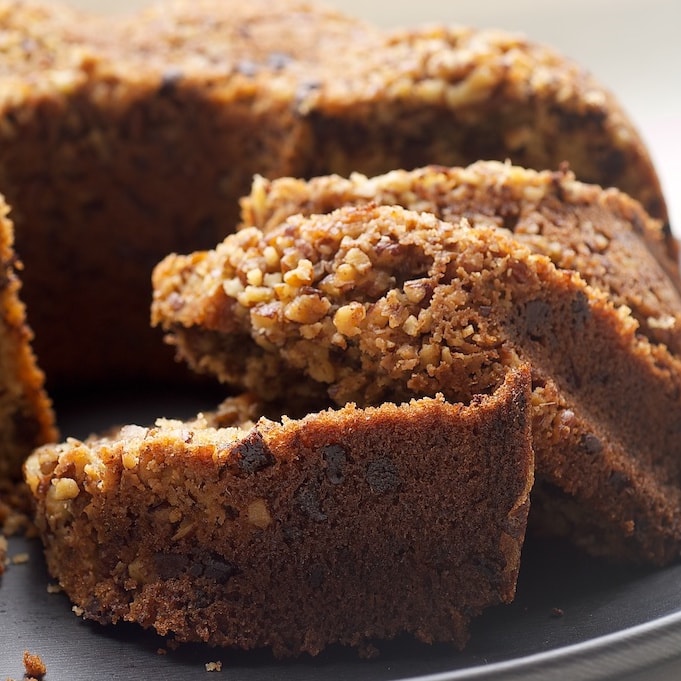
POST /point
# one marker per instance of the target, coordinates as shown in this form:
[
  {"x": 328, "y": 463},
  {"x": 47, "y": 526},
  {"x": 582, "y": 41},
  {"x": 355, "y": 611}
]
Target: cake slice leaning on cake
[
  {"x": 341, "y": 527},
  {"x": 375, "y": 303},
  {"x": 603, "y": 234}
]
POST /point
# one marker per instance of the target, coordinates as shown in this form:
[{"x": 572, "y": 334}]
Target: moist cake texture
[
  {"x": 26, "y": 418},
  {"x": 374, "y": 303},
  {"x": 124, "y": 139},
  {"x": 341, "y": 527}
]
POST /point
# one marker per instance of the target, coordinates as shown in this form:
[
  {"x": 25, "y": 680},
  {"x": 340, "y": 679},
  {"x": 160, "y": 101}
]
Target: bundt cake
[
  {"x": 373, "y": 303},
  {"x": 122, "y": 140},
  {"x": 26, "y": 417},
  {"x": 337, "y": 528}
]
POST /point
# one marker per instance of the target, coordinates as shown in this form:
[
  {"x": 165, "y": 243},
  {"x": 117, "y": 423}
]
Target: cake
[
  {"x": 604, "y": 235},
  {"x": 340, "y": 527},
  {"x": 372, "y": 303},
  {"x": 476, "y": 307},
  {"x": 26, "y": 417},
  {"x": 124, "y": 139}
]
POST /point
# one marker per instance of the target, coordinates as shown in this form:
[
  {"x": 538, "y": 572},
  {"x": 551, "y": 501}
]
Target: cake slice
[
  {"x": 604, "y": 235},
  {"x": 375, "y": 303},
  {"x": 26, "y": 417},
  {"x": 342, "y": 527}
]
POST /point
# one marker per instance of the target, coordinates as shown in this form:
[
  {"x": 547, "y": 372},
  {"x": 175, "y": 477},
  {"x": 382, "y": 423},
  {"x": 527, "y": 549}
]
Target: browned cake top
[
  {"x": 365, "y": 301},
  {"x": 603, "y": 234}
]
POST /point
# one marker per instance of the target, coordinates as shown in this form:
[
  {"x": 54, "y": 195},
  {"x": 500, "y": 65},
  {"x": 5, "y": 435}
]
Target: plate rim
[{"x": 609, "y": 656}]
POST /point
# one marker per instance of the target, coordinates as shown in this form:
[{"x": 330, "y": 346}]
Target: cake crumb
[
  {"x": 557, "y": 612},
  {"x": 54, "y": 588},
  {"x": 20, "y": 559},
  {"x": 214, "y": 666},
  {"x": 161, "y": 651},
  {"x": 79, "y": 612},
  {"x": 34, "y": 665}
]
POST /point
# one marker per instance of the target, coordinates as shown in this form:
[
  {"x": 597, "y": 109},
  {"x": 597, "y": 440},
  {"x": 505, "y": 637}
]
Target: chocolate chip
[
  {"x": 169, "y": 565},
  {"x": 213, "y": 567},
  {"x": 536, "y": 318},
  {"x": 94, "y": 608},
  {"x": 487, "y": 568},
  {"x": 231, "y": 513},
  {"x": 252, "y": 454},
  {"x": 382, "y": 476},
  {"x": 307, "y": 498},
  {"x": 613, "y": 163},
  {"x": 591, "y": 444},
  {"x": 580, "y": 309},
  {"x": 510, "y": 220},
  {"x": 619, "y": 481},
  {"x": 202, "y": 598},
  {"x": 219, "y": 570},
  {"x": 316, "y": 575},
  {"x": 335, "y": 458}
]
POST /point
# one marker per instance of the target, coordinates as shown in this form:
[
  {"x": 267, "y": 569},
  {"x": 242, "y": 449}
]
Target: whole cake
[
  {"x": 337, "y": 528},
  {"x": 373, "y": 303},
  {"x": 122, "y": 140}
]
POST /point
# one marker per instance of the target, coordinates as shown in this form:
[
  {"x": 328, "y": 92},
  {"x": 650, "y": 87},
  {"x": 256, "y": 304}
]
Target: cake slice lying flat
[
  {"x": 371, "y": 303},
  {"x": 26, "y": 418},
  {"x": 341, "y": 527}
]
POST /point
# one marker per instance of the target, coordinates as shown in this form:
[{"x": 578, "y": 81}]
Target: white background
[{"x": 632, "y": 46}]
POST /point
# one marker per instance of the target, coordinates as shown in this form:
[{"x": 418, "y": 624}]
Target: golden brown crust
[
  {"x": 298, "y": 534},
  {"x": 204, "y": 95},
  {"x": 371, "y": 303}
]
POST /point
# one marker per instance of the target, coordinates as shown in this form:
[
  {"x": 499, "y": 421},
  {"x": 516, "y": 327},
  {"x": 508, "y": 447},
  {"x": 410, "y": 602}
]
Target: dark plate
[{"x": 574, "y": 617}]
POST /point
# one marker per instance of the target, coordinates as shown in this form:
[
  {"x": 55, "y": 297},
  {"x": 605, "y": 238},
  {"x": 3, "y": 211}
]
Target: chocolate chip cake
[
  {"x": 124, "y": 139},
  {"x": 373, "y": 303},
  {"x": 26, "y": 418},
  {"x": 341, "y": 527}
]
